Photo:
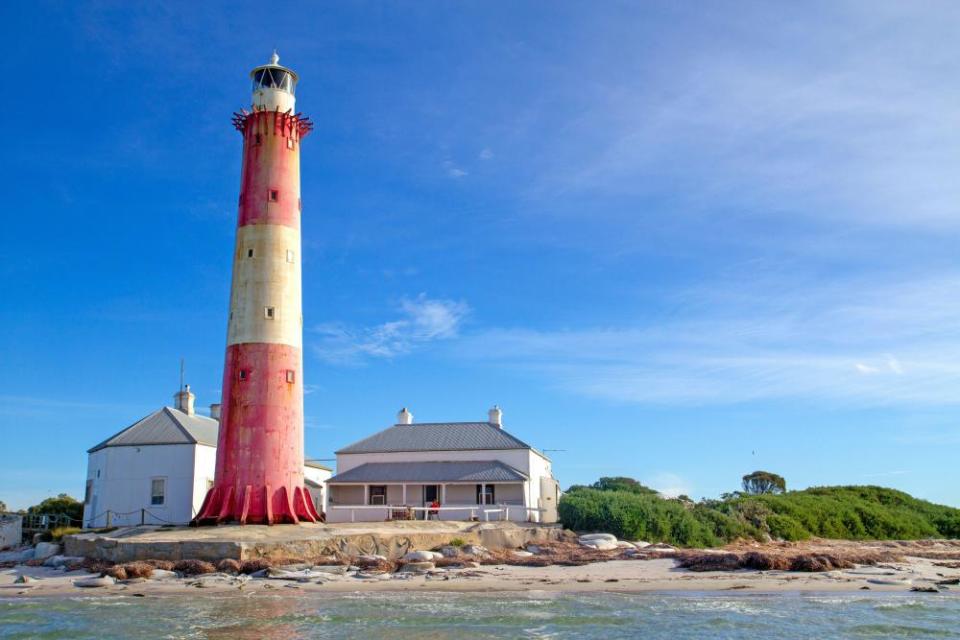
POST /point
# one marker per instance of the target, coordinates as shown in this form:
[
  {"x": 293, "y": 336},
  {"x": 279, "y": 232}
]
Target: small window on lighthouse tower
[
  {"x": 290, "y": 255},
  {"x": 290, "y": 376},
  {"x": 274, "y": 195},
  {"x": 290, "y": 143},
  {"x": 242, "y": 375},
  {"x": 249, "y": 253},
  {"x": 268, "y": 312}
]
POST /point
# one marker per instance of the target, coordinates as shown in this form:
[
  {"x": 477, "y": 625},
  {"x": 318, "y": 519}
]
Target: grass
[
  {"x": 56, "y": 535},
  {"x": 848, "y": 513}
]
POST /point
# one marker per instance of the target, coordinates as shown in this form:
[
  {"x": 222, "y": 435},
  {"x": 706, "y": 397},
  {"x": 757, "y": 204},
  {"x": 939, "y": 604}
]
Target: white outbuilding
[
  {"x": 158, "y": 470},
  {"x": 443, "y": 470}
]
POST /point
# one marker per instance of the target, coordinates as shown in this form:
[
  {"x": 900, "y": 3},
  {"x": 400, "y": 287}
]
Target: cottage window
[
  {"x": 378, "y": 494},
  {"x": 158, "y": 491},
  {"x": 485, "y": 494}
]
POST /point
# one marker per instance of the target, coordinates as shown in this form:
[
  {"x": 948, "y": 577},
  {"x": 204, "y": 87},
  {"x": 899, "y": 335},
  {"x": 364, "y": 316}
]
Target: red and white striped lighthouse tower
[{"x": 259, "y": 476}]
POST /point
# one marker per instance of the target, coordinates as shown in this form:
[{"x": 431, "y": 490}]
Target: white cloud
[
  {"x": 669, "y": 485},
  {"x": 769, "y": 124},
  {"x": 816, "y": 342},
  {"x": 453, "y": 170},
  {"x": 421, "y": 320},
  {"x": 486, "y": 154}
]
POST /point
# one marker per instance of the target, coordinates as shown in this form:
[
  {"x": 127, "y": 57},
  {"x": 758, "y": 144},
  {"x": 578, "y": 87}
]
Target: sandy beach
[{"x": 625, "y": 576}]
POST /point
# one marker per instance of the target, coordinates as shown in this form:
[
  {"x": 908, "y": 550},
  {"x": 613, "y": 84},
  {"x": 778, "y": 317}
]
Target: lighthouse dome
[{"x": 273, "y": 85}]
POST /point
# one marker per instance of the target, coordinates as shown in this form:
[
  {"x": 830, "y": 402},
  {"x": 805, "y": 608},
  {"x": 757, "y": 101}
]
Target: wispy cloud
[
  {"x": 421, "y": 320},
  {"x": 669, "y": 484},
  {"x": 453, "y": 170},
  {"x": 848, "y": 342},
  {"x": 772, "y": 125}
]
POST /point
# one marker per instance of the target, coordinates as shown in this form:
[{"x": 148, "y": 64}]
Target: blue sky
[{"x": 676, "y": 241}]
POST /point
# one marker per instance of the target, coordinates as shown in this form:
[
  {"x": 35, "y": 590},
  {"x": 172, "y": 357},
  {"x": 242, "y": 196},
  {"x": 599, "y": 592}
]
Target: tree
[
  {"x": 621, "y": 483},
  {"x": 3, "y": 506},
  {"x": 760, "y": 482},
  {"x": 62, "y": 504}
]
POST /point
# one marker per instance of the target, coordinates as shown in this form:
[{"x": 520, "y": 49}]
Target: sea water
[{"x": 436, "y": 616}]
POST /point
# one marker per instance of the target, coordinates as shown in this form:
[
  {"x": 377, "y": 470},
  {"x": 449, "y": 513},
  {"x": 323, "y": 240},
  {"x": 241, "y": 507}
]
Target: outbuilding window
[{"x": 158, "y": 489}]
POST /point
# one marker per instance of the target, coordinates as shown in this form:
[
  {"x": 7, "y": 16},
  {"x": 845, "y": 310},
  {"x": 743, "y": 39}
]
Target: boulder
[
  {"x": 22, "y": 579},
  {"x": 335, "y": 569},
  {"x": 598, "y": 536},
  {"x": 534, "y": 549},
  {"x": 600, "y": 544},
  {"x": 623, "y": 544},
  {"x": 422, "y": 556},
  {"x": 418, "y": 567},
  {"x": 87, "y": 583},
  {"x": 641, "y": 544},
  {"x": 449, "y": 551},
  {"x": 44, "y": 550},
  {"x": 372, "y": 558},
  {"x": 161, "y": 574},
  {"x": 60, "y": 561},
  {"x": 661, "y": 547},
  {"x": 20, "y": 555},
  {"x": 476, "y": 550},
  {"x": 522, "y": 554}
]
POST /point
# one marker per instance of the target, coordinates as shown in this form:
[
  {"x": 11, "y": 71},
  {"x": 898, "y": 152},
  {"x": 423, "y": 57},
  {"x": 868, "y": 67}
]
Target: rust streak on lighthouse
[{"x": 259, "y": 474}]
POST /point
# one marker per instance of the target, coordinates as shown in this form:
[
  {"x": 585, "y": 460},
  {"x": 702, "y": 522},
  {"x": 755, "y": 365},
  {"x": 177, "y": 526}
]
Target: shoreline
[{"x": 616, "y": 576}]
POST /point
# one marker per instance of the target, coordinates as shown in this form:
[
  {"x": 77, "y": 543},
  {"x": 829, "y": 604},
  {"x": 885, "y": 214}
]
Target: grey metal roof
[
  {"x": 316, "y": 465},
  {"x": 437, "y": 436},
  {"x": 311, "y": 484},
  {"x": 165, "y": 426},
  {"x": 430, "y": 472}
]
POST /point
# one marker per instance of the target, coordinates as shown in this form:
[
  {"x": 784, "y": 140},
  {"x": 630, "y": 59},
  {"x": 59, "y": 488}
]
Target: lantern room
[{"x": 274, "y": 86}]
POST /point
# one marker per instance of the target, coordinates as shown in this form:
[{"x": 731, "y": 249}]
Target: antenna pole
[{"x": 181, "y": 374}]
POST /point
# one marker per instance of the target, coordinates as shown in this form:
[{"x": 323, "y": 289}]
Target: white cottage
[
  {"x": 474, "y": 470},
  {"x": 158, "y": 470}
]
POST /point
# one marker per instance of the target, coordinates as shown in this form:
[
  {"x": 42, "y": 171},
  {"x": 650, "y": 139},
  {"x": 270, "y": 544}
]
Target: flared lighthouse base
[{"x": 257, "y": 505}]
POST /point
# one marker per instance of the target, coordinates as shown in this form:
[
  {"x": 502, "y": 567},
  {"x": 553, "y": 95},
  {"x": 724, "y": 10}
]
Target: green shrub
[
  {"x": 57, "y": 534},
  {"x": 630, "y": 511},
  {"x": 457, "y": 542}
]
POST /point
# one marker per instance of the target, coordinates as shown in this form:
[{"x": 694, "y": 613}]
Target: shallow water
[{"x": 436, "y": 616}]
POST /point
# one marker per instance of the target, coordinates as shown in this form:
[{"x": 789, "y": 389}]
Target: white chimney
[
  {"x": 215, "y": 411},
  {"x": 183, "y": 400},
  {"x": 404, "y": 417},
  {"x": 496, "y": 416}
]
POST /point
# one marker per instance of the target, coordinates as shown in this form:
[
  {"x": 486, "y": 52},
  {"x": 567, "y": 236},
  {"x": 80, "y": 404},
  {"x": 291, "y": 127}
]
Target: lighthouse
[{"x": 259, "y": 472}]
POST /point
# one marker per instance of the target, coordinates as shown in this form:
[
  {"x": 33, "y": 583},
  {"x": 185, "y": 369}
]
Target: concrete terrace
[{"x": 390, "y": 539}]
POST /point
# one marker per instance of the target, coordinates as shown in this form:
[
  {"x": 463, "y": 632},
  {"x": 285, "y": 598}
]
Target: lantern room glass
[{"x": 273, "y": 78}]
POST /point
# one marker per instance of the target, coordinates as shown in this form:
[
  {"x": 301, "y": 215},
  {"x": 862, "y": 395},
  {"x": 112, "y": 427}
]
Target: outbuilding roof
[
  {"x": 437, "y": 436},
  {"x": 165, "y": 426},
  {"x": 430, "y": 472}
]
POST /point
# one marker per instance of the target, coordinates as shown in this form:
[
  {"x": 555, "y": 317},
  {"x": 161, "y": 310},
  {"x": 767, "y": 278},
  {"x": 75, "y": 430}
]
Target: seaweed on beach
[
  {"x": 228, "y": 565},
  {"x": 194, "y": 567},
  {"x": 254, "y": 565}
]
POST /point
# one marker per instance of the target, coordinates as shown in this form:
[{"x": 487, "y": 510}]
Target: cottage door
[{"x": 431, "y": 492}]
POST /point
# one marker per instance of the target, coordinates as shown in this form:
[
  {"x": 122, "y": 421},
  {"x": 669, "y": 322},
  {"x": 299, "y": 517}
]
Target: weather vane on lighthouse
[{"x": 259, "y": 472}]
